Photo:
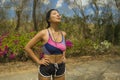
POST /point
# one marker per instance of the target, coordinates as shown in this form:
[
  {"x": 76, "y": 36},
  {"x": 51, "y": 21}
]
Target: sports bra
[{"x": 52, "y": 47}]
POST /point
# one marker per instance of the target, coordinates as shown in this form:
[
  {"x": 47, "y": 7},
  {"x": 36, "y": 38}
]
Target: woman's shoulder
[
  {"x": 42, "y": 32},
  {"x": 64, "y": 33}
]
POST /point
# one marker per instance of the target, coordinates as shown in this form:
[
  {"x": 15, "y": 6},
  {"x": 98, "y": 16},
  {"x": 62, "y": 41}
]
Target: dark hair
[{"x": 48, "y": 16}]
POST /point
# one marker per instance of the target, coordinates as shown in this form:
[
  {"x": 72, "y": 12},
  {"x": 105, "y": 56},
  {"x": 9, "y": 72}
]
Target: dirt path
[{"x": 84, "y": 68}]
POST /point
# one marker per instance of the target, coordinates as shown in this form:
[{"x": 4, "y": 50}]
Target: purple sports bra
[{"x": 52, "y": 47}]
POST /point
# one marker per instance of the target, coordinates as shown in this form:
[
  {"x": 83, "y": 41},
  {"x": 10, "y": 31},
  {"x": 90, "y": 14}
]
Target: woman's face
[{"x": 55, "y": 16}]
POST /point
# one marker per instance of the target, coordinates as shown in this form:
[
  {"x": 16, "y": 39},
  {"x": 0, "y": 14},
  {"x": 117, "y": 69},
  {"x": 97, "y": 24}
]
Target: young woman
[{"x": 53, "y": 62}]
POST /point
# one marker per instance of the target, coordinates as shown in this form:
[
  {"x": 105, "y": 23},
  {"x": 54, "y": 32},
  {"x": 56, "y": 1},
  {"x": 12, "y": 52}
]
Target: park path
[{"x": 78, "y": 70}]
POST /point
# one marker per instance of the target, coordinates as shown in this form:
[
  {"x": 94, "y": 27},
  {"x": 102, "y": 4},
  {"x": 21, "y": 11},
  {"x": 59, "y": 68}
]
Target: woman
[{"x": 53, "y": 62}]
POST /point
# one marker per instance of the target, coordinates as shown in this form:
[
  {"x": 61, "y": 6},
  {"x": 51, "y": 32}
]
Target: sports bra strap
[{"x": 50, "y": 34}]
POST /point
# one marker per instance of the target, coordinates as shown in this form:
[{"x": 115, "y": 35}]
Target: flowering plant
[{"x": 69, "y": 44}]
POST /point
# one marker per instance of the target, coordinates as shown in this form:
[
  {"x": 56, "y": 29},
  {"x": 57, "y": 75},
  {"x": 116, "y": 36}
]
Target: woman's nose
[{"x": 58, "y": 15}]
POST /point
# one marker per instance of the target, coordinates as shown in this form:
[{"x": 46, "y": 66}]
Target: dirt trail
[{"x": 83, "y": 68}]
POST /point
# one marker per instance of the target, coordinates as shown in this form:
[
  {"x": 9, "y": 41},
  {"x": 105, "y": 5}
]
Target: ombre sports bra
[{"x": 52, "y": 47}]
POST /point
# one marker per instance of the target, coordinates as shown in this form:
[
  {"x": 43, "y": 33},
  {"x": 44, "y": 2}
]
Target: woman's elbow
[{"x": 26, "y": 48}]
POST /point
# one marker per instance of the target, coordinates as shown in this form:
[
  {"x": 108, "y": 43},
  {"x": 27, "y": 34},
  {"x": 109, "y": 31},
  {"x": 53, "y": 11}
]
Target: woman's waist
[{"x": 54, "y": 58}]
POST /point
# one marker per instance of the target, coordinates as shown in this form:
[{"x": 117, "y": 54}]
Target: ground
[{"x": 105, "y": 67}]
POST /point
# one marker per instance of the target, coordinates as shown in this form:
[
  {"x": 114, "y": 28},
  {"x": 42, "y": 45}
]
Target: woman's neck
[{"x": 54, "y": 27}]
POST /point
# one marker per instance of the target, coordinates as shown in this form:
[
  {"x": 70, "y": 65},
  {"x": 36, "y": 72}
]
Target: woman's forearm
[
  {"x": 32, "y": 54},
  {"x": 64, "y": 55}
]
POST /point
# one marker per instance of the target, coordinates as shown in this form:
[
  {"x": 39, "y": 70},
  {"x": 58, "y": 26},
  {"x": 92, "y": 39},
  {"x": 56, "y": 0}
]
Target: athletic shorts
[{"x": 52, "y": 70}]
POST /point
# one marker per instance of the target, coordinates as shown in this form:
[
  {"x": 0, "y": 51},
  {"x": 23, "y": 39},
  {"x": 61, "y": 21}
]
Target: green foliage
[
  {"x": 89, "y": 47},
  {"x": 103, "y": 46},
  {"x": 16, "y": 43},
  {"x": 5, "y": 26},
  {"x": 80, "y": 47}
]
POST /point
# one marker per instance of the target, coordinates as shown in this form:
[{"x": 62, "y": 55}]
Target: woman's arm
[
  {"x": 64, "y": 53},
  {"x": 31, "y": 43}
]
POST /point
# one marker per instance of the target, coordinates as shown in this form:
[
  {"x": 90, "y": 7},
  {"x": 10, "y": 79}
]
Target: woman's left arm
[{"x": 64, "y": 53}]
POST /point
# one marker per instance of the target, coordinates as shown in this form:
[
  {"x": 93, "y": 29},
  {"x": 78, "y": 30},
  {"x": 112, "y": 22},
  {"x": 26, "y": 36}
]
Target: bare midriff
[{"x": 54, "y": 58}]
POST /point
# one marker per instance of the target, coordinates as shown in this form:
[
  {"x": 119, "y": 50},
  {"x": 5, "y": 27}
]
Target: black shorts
[{"x": 52, "y": 70}]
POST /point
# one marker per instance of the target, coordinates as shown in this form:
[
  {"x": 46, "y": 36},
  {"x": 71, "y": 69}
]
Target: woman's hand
[
  {"x": 44, "y": 61},
  {"x": 64, "y": 59}
]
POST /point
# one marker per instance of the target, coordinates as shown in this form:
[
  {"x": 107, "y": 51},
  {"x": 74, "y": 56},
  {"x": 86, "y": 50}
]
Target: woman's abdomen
[{"x": 54, "y": 58}]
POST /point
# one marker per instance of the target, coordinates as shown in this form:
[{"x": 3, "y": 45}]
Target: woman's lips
[{"x": 58, "y": 18}]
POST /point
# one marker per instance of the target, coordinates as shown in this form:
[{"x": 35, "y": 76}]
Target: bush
[
  {"x": 88, "y": 47},
  {"x": 12, "y": 44},
  {"x": 6, "y": 26}
]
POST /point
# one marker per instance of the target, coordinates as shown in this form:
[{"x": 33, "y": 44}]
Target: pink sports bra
[{"x": 52, "y": 47}]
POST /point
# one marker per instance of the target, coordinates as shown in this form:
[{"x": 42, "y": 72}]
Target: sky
[{"x": 63, "y": 7}]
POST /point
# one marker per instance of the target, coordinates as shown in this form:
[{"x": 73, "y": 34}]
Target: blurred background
[{"x": 92, "y": 26}]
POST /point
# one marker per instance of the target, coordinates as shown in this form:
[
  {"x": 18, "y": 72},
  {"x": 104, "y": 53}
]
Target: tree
[
  {"x": 42, "y": 6},
  {"x": 117, "y": 27},
  {"x": 34, "y": 14},
  {"x": 78, "y": 9},
  {"x": 19, "y": 5},
  {"x": 4, "y": 8},
  {"x": 117, "y": 4}
]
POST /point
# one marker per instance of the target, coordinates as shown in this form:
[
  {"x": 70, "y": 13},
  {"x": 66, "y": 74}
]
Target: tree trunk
[
  {"x": 118, "y": 4},
  {"x": 34, "y": 15},
  {"x": 18, "y": 20}
]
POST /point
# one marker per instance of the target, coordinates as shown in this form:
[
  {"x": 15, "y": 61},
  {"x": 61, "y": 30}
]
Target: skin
[{"x": 43, "y": 36}]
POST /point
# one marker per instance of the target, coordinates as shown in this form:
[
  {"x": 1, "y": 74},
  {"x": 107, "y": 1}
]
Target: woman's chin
[{"x": 57, "y": 22}]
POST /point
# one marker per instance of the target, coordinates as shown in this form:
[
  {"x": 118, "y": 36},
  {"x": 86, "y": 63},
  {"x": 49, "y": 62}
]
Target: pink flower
[
  {"x": 0, "y": 39},
  {"x": 16, "y": 41},
  {"x": 0, "y": 44},
  {"x": 17, "y": 34},
  {"x": 12, "y": 56},
  {"x": 41, "y": 55},
  {"x": 6, "y": 49},
  {"x": 69, "y": 43},
  {"x": 5, "y": 34},
  {"x": 1, "y": 52},
  {"x": 5, "y": 52}
]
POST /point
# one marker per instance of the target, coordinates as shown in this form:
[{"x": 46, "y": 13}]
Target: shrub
[
  {"x": 12, "y": 44},
  {"x": 89, "y": 47}
]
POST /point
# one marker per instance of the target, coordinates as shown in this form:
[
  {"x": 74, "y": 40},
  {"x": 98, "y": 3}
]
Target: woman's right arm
[{"x": 31, "y": 43}]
